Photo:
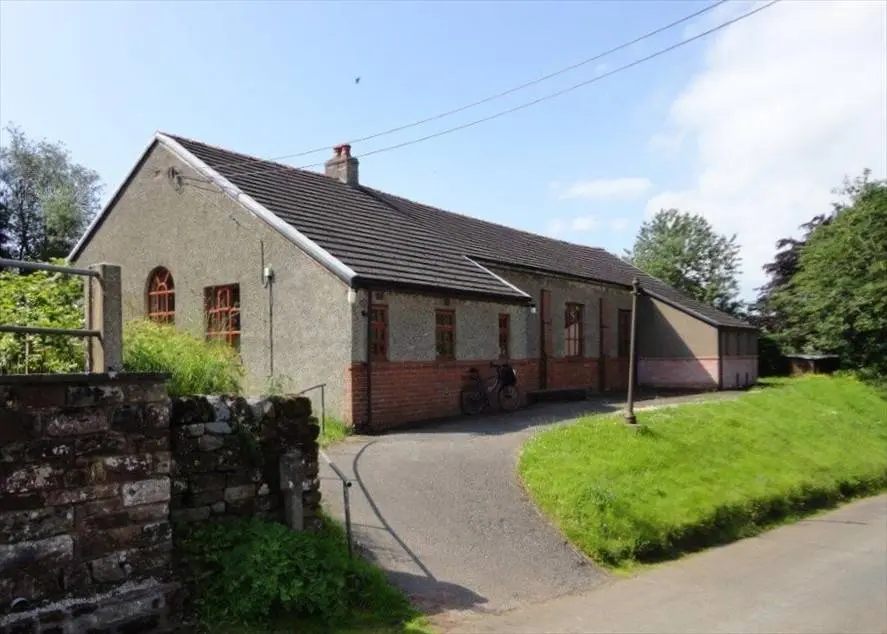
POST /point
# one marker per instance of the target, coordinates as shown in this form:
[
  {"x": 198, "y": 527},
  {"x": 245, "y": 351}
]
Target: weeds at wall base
[{"x": 249, "y": 576}]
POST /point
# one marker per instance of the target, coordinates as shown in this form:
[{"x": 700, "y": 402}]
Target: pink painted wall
[{"x": 701, "y": 372}]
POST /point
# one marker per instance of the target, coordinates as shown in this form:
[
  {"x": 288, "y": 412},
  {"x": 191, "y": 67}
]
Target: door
[
  {"x": 545, "y": 342},
  {"x": 619, "y": 371}
]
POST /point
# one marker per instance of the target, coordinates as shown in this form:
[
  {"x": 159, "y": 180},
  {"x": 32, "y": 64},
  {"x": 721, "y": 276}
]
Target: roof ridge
[{"x": 486, "y": 222}]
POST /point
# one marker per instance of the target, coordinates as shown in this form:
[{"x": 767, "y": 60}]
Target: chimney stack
[{"x": 342, "y": 166}]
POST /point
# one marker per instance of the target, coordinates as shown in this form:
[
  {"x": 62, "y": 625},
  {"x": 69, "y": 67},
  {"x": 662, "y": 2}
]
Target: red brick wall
[
  {"x": 615, "y": 374},
  {"x": 408, "y": 391},
  {"x": 572, "y": 373}
]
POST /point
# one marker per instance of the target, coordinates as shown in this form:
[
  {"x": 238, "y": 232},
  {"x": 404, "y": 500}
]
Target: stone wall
[
  {"x": 227, "y": 454},
  {"x": 95, "y": 471},
  {"x": 84, "y": 499}
]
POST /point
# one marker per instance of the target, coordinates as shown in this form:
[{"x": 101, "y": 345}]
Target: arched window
[{"x": 161, "y": 296}]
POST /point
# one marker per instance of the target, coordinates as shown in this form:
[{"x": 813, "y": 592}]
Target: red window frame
[
  {"x": 222, "y": 312},
  {"x": 379, "y": 332},
  {"x": 445, "y": 333},
  {"x": 160, "y": 301},
  {"x": 574, "y": 341},
  {"x": 624, "y": 333},
  {"x": 504, "y": 335}
]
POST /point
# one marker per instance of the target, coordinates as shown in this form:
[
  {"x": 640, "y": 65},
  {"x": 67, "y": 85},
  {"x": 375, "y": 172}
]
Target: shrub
[
  {"x": 771, "y": 361},
  {"x": 248, "y": 571},
  {"x": 195, "y": 366},
  {"x": 40, "y": 298}
]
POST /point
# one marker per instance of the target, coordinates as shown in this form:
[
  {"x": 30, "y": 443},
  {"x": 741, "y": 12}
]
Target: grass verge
[
  {"x": 248, "y": 576},
  {"x": 334, "y": 431},
  {"x": 701, "y": 474}
]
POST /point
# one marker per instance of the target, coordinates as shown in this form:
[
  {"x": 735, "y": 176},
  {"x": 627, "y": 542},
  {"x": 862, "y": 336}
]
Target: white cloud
[
  {"x": 584, "y": 223},
  {"x": 669, "y": 143},
  {"x": 604, "y": 188},
  {"x": 788, "y": 102}
]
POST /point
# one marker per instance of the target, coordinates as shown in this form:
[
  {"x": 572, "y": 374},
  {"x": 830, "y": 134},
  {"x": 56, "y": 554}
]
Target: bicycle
[{"x": 475, "y": 396}]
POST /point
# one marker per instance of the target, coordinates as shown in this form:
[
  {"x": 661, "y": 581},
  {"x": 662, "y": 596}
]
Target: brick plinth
[
  {"x": 699, "y": 373},
  {"x": 408, "y": 391},
  {"x": 578, "y": 372},
  {"x": 616, "y": 374}
]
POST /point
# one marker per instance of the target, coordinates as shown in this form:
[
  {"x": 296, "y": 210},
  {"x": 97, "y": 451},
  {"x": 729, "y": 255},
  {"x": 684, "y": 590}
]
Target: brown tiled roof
[{"x": 388, "y": 239}]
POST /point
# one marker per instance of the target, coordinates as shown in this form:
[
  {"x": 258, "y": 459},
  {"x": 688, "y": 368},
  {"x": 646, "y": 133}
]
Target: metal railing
[
  {"x": 346, "y": 483},
  {"x": 322, "y": 388},
  {"x": 102, "y": 312},
  {"x": 346, "y": 501}
]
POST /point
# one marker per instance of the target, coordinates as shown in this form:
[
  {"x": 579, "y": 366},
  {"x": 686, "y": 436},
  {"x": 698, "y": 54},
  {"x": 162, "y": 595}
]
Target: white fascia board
[
  {"x": 500, "y": 278},
  {"x": 97, "y": 220},
  {"x": 313, "y": 249}
]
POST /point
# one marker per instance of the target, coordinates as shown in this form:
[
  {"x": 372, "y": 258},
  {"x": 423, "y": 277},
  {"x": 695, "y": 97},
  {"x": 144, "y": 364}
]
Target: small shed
[{"x": 813, "y": 363}]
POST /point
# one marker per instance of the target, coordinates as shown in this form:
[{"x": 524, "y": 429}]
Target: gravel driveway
[{"x": 441, "y": 508}]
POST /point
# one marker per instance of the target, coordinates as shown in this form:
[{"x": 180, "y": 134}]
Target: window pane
[
  {"x": 504, "y": 335},
  {"x": 573, "y": 331},
  {"x": 160, "y": 302},
  {"x": 445, "y": 338},
  {"x": 379, "y": 332},
  {"x": 222, "y": 310}
]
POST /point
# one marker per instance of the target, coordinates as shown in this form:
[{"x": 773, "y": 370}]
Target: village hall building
[{"x": 319, "y": 279}]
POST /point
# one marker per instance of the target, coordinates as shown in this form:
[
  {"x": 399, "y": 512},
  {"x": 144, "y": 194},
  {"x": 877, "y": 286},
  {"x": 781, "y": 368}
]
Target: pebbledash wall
[
  {"x": 413, "y": 385},
  {"x": 599, "y": 368},
  {"x": 94, "y": 472},
  {"x": 675, "y": 350},
  {"x": 152, "y": 224}
]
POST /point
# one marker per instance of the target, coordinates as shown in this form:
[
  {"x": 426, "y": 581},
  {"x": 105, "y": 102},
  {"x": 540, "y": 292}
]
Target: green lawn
[{"x": 707, "y": 473}]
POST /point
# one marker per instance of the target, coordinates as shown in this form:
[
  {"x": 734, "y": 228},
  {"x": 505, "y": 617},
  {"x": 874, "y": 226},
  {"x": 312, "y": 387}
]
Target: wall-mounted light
[
  {"x": 533, "y": 309},
  {"x": 352, "y": 296}
]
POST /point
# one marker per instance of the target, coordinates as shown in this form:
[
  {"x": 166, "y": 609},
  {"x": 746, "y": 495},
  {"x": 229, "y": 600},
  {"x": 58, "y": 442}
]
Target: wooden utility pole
[{"x": 633, "y": 350}]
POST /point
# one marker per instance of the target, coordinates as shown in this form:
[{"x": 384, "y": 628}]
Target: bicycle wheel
[
  {"x": 472, "y": 400},
  {"x": 509, "y": 398}
]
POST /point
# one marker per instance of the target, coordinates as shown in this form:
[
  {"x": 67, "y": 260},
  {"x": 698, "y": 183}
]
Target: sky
[{"x": 752, "y": 126}]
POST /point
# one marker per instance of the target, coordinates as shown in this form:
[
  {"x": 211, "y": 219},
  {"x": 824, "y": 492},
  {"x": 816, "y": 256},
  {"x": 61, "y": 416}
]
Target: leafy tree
[
  {"x": 46, "y": 200},
  {"x": 837, "y": 299},
  {"x": 781, "y": 270},
  {"x": 683, "y": 250},
  {"x": 53, "y": 300}
]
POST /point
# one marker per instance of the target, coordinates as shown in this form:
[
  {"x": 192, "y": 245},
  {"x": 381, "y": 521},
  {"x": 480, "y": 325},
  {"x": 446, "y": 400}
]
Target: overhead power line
[
  {"x": 527, "y": 104},
  {"x": 498, "y": 95}
]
